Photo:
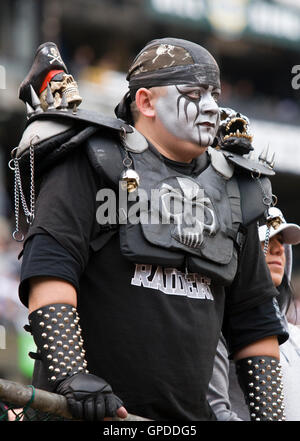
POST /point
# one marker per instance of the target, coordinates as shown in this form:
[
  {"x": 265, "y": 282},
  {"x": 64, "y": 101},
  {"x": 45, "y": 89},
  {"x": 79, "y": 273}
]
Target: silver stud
[
  {"x": 46, "y": 316},
  {"x": 72, "y": 325},
  {"x": 70, "y": 314},
  {"x": 250, "y": 372},
  {"x": 256, "y": 408},
  {"x": 67, "y": 358},
  {"x": 52, "y": 308},
  {"x": 73, "y": 363},
  {"x": 59, "y": 314},
  {"x": 257, "y": 377},
  {"x": 273, "y": 362},
  {"x": 269, "y": 378},
  {"x": 65, "y": 347},
  {"x": 55, "y": 360},
  {"x": 56, "y": 332},
  {"x": 78, "y": 333},
  {"x": 78, "y": 358},
  {"x": 77, "y": 348},
  {"x": 62, "y": 364},
  {"x": 71, "y": 342},
  {"x": 269, "y": 388},
  {"x": 60, "y": 354},
  {"x": 63, "y": 308},
  {"x": 84, "y": 364},
  {"x": 68, "y": 331},
  {"x": 44, "y": 335},
  {"x": 64, "y": 374},
  {"x": 253, "y": 415},
  {"x": 59, "y": 343},
  {"x": 53, "y": 378},
  {"x": 51, "y": 339},
  {"x": 262, "y": 382},
  {"x": 80, "y": 369},
  {"x": 57, "y": 371},
  {"x": 264, "y": 403},
  {"x": 71, "y": 353},
  {"x": 51, "y": 368},
  {"x": 69, "y": 368},
  {"x": 64, "y": 336},
  {"x": 49, "y": 327},
  {"x": 49, "y": 357},
  {"x": 75, "y": 337},
  {"x": 39, "y": 312},
  {"x": 249, "y": 362},
  {"x": 262, "y": 361},
  {"x": 42, "y": 324},
  {"x": 256, "y": 366},
  {"x": 73, "y": 309},
  {"x": 52, "y": 348},
  {"x": 264, "y": 393},
  {"x": 257, "y": 419},
  {"x": 54, "y": 321},
  {"x": 257, "y": 388},
  {"x": 46, "y": 347},
  {"x": 257, "y": 398},
  {"x": 264, "y": 414},
  {"x": 251, "y": 395},
  {"x": 269, "y": 399},
  {"x": 263, "y": 371},
  {"x": 66, "y": 319},
  {"x": 269, "y": 367},
  {"x": 61, "y": 325},
  {"x": 80, "y": 343}
]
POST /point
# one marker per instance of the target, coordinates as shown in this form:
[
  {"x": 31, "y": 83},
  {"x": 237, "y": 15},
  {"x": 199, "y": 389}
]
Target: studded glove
[
  {"x": 57, "y": 334},
  {"x": 260, "y": 380}
]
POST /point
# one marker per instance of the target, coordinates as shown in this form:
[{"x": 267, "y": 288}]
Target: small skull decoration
[
  {"x": 129, "y": 180},
  {"x": 60, "y": 84}
]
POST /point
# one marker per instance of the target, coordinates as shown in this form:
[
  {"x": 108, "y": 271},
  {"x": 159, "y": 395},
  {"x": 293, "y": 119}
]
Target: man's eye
[
  {"x": 215, "y": 96},
  {"x": 194, "y": 94}
]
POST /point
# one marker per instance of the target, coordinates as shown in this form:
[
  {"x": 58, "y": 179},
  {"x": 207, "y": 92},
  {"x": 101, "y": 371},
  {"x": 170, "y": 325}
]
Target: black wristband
[
  {"x": 260, "y": 380},
  {"x": 57, "y": 334}
]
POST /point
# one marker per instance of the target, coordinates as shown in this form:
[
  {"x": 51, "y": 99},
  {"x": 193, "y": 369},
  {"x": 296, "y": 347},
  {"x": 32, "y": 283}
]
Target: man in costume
[{"x": 141, "y": 304}]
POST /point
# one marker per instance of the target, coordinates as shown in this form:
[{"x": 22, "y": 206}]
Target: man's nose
[{"x": 209, "y": 104}]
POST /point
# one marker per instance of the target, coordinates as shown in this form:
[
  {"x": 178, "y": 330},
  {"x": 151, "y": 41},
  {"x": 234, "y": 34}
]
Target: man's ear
[{"x": 144, "y": 100}]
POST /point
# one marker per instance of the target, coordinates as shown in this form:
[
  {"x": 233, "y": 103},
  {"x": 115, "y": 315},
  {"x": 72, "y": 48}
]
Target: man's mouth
[
  {"x": 207, "y": 123},
  {"x": 275, "y": 262}
]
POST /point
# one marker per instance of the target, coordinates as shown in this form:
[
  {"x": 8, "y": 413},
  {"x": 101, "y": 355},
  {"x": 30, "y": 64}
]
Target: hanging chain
[
  {"x": 18, "y": 191},
  {"x": 268, "y": 202}
]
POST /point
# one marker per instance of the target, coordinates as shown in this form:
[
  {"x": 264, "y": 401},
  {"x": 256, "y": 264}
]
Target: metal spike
[
  {"x": 272, "y": 161},
  {"x": 35, "y": 101},
  {"x": 50, "y": 102},
  {"x": 29, "y": 110},
  {"x": 63, "y": 106},
  {"x": 262, "y": 156}
]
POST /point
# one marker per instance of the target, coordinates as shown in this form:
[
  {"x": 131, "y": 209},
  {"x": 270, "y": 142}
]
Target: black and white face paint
[{"x": 190, "y": 112}]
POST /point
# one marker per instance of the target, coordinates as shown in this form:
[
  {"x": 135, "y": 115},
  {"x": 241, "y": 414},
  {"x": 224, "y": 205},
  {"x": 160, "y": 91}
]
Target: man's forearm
[
  {"x": 267, "y": 346},
  {"x": 47, "y": 290}
]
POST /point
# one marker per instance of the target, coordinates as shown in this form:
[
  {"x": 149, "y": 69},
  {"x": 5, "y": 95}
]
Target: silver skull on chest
[{"x": 189, "y": 210}]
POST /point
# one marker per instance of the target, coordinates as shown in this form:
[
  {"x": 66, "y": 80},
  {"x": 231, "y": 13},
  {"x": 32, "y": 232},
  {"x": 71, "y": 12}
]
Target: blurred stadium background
[{"x": 256, "y": 43}]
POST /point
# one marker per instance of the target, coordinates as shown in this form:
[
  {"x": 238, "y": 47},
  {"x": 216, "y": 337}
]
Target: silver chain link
[
  {"x": 18, "y": 193},
  {"x": 267, "y": 200}
]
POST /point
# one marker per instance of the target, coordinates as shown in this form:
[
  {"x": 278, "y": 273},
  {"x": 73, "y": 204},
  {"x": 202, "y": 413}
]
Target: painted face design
[{"x": 190, "y": 112}]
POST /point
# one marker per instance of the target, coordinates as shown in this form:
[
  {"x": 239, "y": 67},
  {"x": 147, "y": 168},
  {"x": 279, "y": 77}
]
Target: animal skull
[{"x": 192, "y": 213}]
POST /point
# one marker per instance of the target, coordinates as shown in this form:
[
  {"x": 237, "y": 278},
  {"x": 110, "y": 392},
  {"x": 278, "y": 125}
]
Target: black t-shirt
[{"x": 151, "y": 332}]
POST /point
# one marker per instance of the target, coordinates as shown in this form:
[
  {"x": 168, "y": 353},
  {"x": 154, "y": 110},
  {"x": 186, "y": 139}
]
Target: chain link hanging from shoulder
[{"x": 19, "y": 193}]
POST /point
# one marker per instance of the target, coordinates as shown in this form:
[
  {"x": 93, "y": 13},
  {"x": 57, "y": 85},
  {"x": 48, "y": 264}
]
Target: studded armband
[
  {"x": 260, "y": 380},
  {"x": 57, "y": 334}
]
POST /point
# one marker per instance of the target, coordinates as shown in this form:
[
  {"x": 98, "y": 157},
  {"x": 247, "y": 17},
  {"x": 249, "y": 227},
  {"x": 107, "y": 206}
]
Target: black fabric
[{"x": 157, "y": 337}]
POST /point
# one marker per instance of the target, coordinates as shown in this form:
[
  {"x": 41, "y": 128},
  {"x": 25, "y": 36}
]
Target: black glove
[
  {"x": 57, "y": 334},
  {"x": 89, "y": 397}
]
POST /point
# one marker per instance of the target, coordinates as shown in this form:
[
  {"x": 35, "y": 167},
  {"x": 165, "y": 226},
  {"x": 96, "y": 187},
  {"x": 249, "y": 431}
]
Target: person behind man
[
  {"x": 150, "y": 296},
  {"x": 225, "y": 394}
]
